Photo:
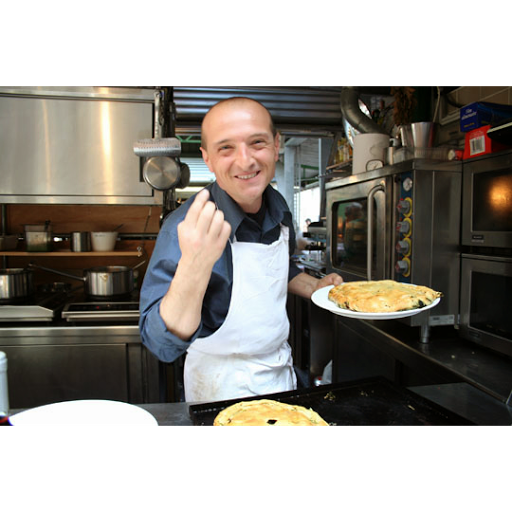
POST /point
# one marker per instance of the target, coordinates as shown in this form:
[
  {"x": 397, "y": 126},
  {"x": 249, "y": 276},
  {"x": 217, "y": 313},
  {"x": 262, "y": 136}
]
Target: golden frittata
[
  {"x": 264, "y": 413},
  {"x": 384, "y": 296}
]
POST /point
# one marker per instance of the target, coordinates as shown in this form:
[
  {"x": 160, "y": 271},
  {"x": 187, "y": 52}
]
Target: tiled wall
[{"x": 494, "y": 94}]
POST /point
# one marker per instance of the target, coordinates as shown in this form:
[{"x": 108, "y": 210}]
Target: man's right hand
[
  {"x": 203, "y": 233},
  {"x": 202, "y": 236}
]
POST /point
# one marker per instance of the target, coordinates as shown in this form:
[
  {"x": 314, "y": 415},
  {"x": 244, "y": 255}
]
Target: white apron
[{"x": 249, "y": 354}]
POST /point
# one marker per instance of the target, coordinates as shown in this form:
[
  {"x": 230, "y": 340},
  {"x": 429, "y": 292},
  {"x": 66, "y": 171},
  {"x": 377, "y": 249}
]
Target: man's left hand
[
  {"x": 305, "y": 285},
  {"x": 329, "y": 279}
]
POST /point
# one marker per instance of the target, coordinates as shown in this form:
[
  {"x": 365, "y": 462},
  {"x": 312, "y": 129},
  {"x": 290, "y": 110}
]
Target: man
[{"x": 218, "y": 279}]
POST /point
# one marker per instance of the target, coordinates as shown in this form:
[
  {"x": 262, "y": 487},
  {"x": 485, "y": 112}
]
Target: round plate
[
  {"x": 321, "y": 299},
  {"x": 85, "y": 412}
]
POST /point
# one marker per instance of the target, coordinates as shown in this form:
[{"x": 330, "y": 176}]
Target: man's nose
[{"x": 243, "y": 156}]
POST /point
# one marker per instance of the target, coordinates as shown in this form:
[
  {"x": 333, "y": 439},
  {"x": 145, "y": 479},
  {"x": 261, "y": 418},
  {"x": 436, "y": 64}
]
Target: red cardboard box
[{"x": 477, "y": 143}]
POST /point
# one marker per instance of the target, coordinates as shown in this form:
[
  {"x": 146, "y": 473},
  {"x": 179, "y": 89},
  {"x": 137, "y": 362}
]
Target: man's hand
[
  {"x": 202, "y": 236},
  {"x": 329, "y": 279},
  {"x": 305, "y": 285}
]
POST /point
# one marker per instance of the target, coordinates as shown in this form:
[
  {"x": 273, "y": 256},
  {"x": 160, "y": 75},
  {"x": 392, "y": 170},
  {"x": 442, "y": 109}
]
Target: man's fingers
[
  {"x": 204, "y": 228},
  {"x": 197, "y": 206},
  {"x": 205, "y": 218},
  {"x": 225, "y": 232},
  {"x": 216, "y": 224}
]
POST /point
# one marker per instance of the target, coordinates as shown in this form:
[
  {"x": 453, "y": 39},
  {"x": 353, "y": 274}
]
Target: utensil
[
  {"x": 107, "y": 281},
  {"x": 103, "y": 241},
  {"x": 39, "y": 237},
  {"x": 148, "y": 148},
  {"x": 8, "y": 242},
  {"x": 321, "y": 299},
  {"x": 80, "y": 241},
  {"x": 15, "y": 283},
  {"x": 418, "y": 135},
  {"x": 370, "y": 151},
  {"x": 184, "y": 176},
  {"x": 85, "y": 412},
  {"x": 161, "y": 172},
  {"x": 368, "y": 401}
]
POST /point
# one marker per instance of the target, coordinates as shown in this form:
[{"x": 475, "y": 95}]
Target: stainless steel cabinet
[{"x": 49, "y": 365}]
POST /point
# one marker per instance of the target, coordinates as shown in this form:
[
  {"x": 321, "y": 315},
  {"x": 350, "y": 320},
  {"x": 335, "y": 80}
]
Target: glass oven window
[
  {"x": 492, "y": 197},
  {"x": 350, "y": 224},
  {"x": 491, "y": 304}
]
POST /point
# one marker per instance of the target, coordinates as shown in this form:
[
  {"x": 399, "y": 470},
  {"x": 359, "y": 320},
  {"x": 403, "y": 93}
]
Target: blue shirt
[{"x": 263, "y": 227}]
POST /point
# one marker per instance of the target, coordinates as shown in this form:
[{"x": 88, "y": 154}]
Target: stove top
[
  {"x": 97, "y": 311},
  {"x": 36, "y": 308},
  {"x": 71, "y": 307}
]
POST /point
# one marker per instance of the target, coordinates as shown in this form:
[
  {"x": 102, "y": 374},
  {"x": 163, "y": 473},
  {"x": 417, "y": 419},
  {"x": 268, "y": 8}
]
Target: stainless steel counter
[
  {"x": 46, "y": 333},
  {"x": 460, "y": 398},
  {"x": 445, "y": 358},
  {"x": 469, "y": 402},
  {"x": 48, "y": 363}
]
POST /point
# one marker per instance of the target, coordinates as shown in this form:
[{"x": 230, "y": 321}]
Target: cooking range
[
  {"x": 107, "y": 293},
  {"x": 61, "y": 305},
  {"x": 98, "y": 311}
]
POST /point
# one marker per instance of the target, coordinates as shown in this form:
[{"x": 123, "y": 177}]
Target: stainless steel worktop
[
  {"x": 460, "y": 398},
  {"x": 446, "y": 355},
  {"x": 74, "y": 333}
]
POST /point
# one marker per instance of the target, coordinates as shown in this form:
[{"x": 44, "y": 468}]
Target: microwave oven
[
  {"x": 399, "y": 222},
  {"x": 486, "y": 301},
  {"x": 487, "y": 201}
]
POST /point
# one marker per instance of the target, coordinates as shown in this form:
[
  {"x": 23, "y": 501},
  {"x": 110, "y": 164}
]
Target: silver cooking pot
[
  {"x": 15, "y": 283},
  {"x": 108, "y": 281}
]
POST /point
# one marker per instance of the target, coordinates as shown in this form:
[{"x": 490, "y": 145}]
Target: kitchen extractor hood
[{"x": 74, "y": 146}]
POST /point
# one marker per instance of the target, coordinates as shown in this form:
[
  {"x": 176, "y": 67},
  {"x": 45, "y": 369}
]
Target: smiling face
[{"x": 241, "y": 150}]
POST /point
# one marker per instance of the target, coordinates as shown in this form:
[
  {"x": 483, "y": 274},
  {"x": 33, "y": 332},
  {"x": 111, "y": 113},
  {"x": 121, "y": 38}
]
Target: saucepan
[
  {"x": 15, "y": 284},
  {"x": 107, "y": 281}
]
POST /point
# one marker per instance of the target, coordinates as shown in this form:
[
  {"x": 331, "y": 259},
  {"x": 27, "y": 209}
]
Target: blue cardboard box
[{"x": 482, "y": 113}]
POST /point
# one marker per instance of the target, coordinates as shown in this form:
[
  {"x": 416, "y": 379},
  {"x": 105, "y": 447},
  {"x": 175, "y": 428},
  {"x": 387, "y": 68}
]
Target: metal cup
[{"x": 80, "y": 241}]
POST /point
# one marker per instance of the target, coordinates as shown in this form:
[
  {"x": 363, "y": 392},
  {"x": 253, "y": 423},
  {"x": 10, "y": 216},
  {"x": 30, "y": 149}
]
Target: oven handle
[{"x": 369, "y": 235}]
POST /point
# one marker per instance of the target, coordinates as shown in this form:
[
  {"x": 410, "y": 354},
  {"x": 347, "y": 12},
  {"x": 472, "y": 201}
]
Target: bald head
[{"x": 237, "y": 102}]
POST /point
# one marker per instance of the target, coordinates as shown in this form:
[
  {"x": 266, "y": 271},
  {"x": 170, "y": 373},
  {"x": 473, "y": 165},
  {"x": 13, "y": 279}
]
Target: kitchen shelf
[{"x": 68, "y": 254}]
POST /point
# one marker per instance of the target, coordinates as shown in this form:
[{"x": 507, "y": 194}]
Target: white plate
[
  {"x": 85, "y": 412},
  {"x": 321, "y": 299}
]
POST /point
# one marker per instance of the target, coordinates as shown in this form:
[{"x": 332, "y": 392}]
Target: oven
[
  {"x": 487, "y": 201},
  {"x": 400, "y": 222},
  {"x": 486, "y": 301},
  {"x": 486, "y": 259}
]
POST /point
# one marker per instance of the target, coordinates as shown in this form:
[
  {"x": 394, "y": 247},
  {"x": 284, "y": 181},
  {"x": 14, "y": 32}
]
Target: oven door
[
  {"x": 359, "y": 230},
  {"x": 486, "y": 302},
  {"x": 487, "y": 208}
]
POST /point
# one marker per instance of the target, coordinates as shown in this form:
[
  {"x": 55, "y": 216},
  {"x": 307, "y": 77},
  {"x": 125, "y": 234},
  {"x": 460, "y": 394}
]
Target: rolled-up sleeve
[{"x": 161, "y": 269}]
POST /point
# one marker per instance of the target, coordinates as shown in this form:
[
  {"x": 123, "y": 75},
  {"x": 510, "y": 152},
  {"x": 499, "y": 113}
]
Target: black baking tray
[{"x": 374, "y": 401}]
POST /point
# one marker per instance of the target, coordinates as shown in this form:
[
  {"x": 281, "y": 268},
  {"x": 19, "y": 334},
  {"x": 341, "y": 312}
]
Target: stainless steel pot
[
  {"x": 15, "y": 283},
  {"x": 108, "y": 281}
]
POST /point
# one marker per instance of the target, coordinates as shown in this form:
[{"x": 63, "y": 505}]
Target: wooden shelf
[{"x": 68, "y": 254}]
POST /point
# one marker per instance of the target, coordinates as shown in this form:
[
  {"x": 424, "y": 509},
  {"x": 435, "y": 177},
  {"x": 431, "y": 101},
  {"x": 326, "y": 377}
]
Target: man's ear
[{"x": 277, "y": 142}]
